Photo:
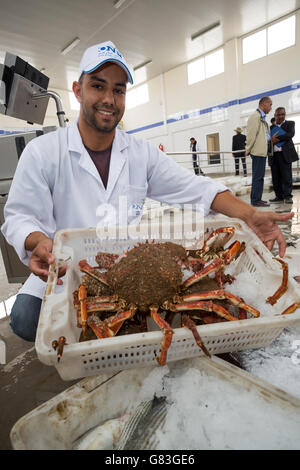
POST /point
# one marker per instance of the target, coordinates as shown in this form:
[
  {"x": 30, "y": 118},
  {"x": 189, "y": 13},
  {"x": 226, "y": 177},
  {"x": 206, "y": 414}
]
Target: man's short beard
[{"x": 92, "y": 121}]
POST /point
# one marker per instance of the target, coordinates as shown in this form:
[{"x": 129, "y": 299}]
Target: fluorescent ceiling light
[
  {"x": 119, "y": 3},
  {"x": 143, "y": 64},
  {"x": 205, "y": 30},
  {"x": 70, "y": 46}
]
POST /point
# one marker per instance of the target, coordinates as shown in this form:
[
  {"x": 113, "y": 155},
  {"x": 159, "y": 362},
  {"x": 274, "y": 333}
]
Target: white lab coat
[{"x": 56, "y": 185}]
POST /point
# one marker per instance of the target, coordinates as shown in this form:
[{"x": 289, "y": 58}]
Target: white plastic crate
[
  {"x": 58, "y": 316},
  {"x": 58, "y": 423}
]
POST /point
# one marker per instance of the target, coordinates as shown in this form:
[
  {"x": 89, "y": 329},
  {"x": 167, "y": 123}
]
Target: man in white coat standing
[
  {"x": 195, "y": 147},
  {"x": 64, "y": 177}
]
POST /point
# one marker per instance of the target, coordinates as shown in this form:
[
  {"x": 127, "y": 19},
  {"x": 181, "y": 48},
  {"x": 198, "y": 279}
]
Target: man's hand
[
  {"x": 262, "y": 223},
  {"x": 265, "y": 226},
  {"x": 41, "y": 256},
  {"x": 274, "y": 139}
]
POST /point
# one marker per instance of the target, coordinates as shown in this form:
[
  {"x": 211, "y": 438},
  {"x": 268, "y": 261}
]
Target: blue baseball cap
[{"x": 99, "y": 54}]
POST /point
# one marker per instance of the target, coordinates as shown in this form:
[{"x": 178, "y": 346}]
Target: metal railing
[{"x": 226, "y": 165}]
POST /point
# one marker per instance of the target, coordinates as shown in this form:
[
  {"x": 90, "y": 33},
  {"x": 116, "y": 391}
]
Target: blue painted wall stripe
[{"x": 199, "y": 112}]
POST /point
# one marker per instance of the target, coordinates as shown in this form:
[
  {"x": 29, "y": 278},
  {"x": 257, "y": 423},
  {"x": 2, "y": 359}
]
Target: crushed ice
[{"x": 206, "y": 412}]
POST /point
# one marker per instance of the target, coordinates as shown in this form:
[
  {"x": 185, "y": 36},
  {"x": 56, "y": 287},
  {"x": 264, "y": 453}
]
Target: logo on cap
[{"x": 106, "y": 50}]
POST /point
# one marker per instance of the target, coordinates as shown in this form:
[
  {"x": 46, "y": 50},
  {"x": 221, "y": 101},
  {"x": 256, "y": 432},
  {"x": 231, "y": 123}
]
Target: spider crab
[{"x": 148, "y": 281}]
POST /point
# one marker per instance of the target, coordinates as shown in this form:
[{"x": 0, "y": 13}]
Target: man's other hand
[{"x": 42, "y": 257}]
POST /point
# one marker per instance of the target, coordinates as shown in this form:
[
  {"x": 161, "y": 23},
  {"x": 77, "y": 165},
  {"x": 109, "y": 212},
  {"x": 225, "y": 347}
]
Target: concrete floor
[{"x": 26, "y": 383}]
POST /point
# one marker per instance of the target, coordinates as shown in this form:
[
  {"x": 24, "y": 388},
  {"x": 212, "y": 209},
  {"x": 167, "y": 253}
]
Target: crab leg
[
  {"x": 110, "y": 326},
  {"x": 83, "y": 311},
  {"x": 76, "y": 304},
  {"x": 100, "y": 330},
  {"x": 206, "y": 295},
  {"x": 225, "y": 232},
  {"x": 242, "y": 314},
  {"x": 93, "y": 272},
  {"x": 221, "y": 294},
  {"x": 167, "y": 332},
  {"x": 291, "y": 308},
  {"x": 85, "y": 306},
  {"x": 120, "y": 317},
  {"x": 102, "y": 307},
  {"x": 213, "y": 266},
  {"x": 235, "y": 249},
  {"x": 284, "y": 284},
  {"x": 59, "y": 346},
  {"x": 208, "y": 306},
  {"x": 102, "y": 299},
  {"x": 188, "y": 323},
  {"x": 222, "y": 312},
  {"x": 235, "y": 300}
]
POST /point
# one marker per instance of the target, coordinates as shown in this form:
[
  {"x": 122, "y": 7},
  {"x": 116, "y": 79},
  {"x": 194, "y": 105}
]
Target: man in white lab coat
[
  {"x": 195, "y": 147},
  {"x": 65, "y": 178}
]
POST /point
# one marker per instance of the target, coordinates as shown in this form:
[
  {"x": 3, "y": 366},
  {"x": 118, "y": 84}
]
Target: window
[
  {"x": 282, "y": 35},
  {"x": 214, "y": 63},
  {"x": 137, "y": 96},
  {"x": 213, "y": 145},
  {"x": 196, "y": 71},
  {"x": 206, "y": 67},
  {"x": 269, "y": 40},
  {"x": 254, "y": 46}
]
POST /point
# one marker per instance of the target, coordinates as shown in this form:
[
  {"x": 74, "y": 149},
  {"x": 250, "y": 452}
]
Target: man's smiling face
[
  {"x": 279, "y": 115},
  {"x": 102, "y": 97}
]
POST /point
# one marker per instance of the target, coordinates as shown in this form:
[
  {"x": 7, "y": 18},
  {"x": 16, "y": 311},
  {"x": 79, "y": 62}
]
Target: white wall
[{"x": 238, "y": 81}]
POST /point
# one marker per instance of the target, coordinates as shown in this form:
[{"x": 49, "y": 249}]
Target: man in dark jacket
[
  {"x": 239, "y": 143},
  {"x": 284, "y": 153}
]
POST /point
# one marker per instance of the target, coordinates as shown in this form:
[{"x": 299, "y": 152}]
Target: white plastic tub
[
  {"x": 59, "y": 422},
  {"x": 58, "y": 317}
]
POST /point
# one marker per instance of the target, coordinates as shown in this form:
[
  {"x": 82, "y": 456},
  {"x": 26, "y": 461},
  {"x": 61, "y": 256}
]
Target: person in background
[
  {"x": 272, "y": 121},
  {"x": 284, "y": 153},
  {"x": 239, "y": 143},
  {"x": 259, "y": 146},
  {"x": 195, "y": 147}
]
